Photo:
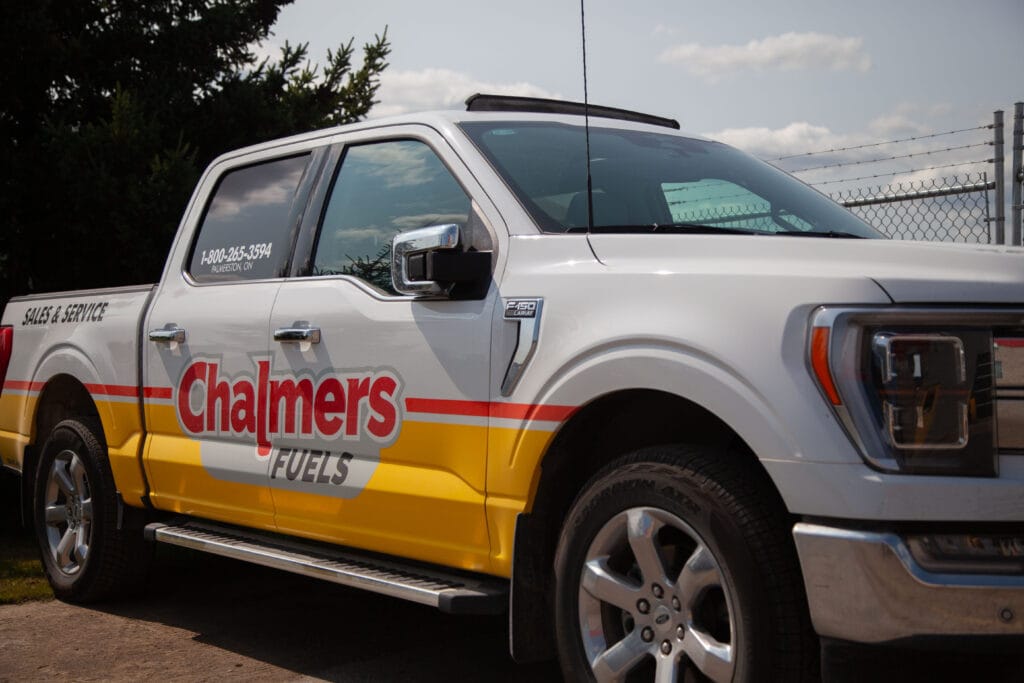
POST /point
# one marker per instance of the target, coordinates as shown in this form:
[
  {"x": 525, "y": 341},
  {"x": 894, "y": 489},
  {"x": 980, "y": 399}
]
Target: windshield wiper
[
  {"x": 837, "y": 234},
  {"x": 666, "y": 228}
]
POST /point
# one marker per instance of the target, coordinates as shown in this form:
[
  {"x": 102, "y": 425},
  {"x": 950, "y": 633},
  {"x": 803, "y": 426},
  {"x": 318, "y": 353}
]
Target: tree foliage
[{"x": 112, "y": 108}]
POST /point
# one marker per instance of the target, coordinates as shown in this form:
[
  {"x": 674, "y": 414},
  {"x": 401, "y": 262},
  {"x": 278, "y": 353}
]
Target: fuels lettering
[{"x": 310, "y": 466}]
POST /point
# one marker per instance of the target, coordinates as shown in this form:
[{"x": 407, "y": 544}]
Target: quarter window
[
  {"x": 246, "y": 230},
  {"x": 382, "y": 189}
]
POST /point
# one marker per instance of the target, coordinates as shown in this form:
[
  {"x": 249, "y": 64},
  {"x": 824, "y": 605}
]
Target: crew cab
[{"x": 674, "y": 411}]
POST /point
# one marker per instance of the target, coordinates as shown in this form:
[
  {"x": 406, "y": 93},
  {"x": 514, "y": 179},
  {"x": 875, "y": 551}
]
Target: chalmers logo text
[{"x": 346, "y": 405}]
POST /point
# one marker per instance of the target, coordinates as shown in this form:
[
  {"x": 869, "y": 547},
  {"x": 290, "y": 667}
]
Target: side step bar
[{"x": 424, "y": 584}]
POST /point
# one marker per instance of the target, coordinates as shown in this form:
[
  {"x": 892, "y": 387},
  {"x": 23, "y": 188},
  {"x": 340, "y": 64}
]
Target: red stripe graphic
[
  {"x": 519, "y": 411},
  {"x": 96, "y": 389},
  {"x": 18, "y": 385},
  {"x": 441, "y": 406},
  {"x": 428, "y": 406},
  {"x": 523, "y": 411},
  {"x": 1011, "y": 342},
  {"x": 112, "y": 390}
]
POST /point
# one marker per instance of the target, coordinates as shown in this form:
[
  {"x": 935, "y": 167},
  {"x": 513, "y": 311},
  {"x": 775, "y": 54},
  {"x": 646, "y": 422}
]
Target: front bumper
[{"x": 866, "y": 587}]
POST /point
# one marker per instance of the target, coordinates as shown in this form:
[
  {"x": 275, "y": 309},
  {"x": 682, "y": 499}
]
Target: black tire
[
  {"x": 720, "y": 598},
  {"x": 85, "y": 556}
]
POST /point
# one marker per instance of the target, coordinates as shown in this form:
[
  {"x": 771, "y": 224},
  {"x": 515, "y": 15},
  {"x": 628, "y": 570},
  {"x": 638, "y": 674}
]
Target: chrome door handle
[
  {"x": 167, "y": 334},
  {"x": 297, "y": 334}
]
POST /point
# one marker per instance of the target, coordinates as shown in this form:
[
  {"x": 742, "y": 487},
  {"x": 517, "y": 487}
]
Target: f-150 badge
[{"x": 526, "y": 314}]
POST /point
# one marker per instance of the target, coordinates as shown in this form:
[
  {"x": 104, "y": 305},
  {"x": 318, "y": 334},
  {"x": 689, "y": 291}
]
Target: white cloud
[
  {"x": 893, "y": 125},
  {"x": 789, "y": 51},
  {"x": 907, "y": 120},
  {"x": 408, "y": 91},
  {"x": 866, "y": 157},
  {"x": 795, "y": 138}
]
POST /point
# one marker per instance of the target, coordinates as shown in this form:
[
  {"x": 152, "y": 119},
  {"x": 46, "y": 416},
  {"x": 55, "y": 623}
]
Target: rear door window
[{"x": 246, "y": 231}]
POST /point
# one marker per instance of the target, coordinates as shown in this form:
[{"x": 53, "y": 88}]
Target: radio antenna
[{"x": 586, "y": 123}]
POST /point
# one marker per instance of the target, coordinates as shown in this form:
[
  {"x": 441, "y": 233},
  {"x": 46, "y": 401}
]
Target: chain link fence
[
  {"x": 970, "y": 206},
  {"x": 949, "y": 209}
]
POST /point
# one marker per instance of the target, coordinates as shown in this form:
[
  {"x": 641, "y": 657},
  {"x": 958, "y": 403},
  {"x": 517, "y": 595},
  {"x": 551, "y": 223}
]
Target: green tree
[{"x": 111, "y": 109}]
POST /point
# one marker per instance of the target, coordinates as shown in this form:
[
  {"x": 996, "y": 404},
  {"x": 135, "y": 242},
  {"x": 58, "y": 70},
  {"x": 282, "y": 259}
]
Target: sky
[{"x": 773, "y": 78}]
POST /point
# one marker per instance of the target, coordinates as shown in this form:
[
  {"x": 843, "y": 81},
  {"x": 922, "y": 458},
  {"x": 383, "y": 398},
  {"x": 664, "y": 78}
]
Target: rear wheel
[
  {"x": 673, "y": 565},
  {"x": 85, "y": 555}
]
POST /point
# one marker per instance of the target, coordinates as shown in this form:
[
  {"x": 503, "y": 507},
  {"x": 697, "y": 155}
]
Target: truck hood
[{"x": 908, "y": 272}]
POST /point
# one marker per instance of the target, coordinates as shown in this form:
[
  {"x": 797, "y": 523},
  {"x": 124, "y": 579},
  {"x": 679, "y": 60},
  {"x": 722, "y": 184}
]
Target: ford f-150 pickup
[{"x": 674, "y": 411}]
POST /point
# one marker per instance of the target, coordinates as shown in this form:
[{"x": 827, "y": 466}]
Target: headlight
[{"x": 914, "y": 389}]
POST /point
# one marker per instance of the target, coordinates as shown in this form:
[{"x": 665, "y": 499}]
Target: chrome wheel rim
[
  {"x": 68, "y": 513},
  {"x": 653, "y": 596}
]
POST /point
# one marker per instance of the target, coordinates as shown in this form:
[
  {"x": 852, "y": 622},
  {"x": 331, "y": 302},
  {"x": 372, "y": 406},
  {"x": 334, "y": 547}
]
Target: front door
[{"x": 379, "y": 402}]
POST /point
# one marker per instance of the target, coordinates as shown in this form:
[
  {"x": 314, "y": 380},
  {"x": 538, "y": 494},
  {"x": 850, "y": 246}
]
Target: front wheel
[
  {"x": 675, "y": 565},
  {"x": 85, "y": 555}
]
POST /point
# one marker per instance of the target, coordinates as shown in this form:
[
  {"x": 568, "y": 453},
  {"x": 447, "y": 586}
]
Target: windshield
[{"x": 652, "y": 182}]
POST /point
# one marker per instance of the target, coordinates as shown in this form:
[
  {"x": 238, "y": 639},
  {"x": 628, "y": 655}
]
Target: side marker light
[{"x": 819, "y": 362}]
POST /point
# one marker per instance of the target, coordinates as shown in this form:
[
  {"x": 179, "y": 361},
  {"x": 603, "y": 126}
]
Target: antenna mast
[{"x": 586, "y": 123}]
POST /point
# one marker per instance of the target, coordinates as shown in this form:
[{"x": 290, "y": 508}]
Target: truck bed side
[{"x": 79, "y": 348}]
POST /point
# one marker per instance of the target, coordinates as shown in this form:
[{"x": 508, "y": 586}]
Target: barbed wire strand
[
  {"x": 895, "y": 173},
  {"x": 892, "y": 158},
  {"x": 879, "y": 144}
]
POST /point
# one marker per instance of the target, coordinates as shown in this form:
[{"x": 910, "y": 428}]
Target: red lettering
[
  {"x": 385, "y": 416},
  {"x": 243, "y": 410},
  {"x": 328, "y": 406},
  {"x": 287, "y": 406},
  {"x": 291, "y": 393},
  {"x": 217, "y": 391},
  {"x": 263, "y": 377},
  {"x": 193, "y": 422},
  {"x": 358, "y": 389}
]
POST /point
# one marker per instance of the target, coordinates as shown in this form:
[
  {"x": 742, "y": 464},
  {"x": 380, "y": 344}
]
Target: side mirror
[{"x": 431, "y": 263}]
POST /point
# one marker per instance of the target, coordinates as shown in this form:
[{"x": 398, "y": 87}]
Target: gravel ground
[
  {"x": 206, "y": 618},
  {"x": 210, "y": 619}
]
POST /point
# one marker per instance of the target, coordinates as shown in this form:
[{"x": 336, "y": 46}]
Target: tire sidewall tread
[
  {"x": 118, "y": 559},
  {"x": 730, "y": 507}
]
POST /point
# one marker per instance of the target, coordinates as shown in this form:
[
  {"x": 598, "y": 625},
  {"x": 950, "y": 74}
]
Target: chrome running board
[{"x": 437, "y": 587}]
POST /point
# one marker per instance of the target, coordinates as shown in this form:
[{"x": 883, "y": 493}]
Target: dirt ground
[{"x": 206, "y": 618}]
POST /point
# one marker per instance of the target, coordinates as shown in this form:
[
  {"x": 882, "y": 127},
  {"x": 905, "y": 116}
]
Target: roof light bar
[{"x": 538, "y": 105}]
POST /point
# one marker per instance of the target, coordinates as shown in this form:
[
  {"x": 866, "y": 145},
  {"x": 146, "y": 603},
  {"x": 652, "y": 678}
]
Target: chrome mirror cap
[{"x": 408, "y": 273}]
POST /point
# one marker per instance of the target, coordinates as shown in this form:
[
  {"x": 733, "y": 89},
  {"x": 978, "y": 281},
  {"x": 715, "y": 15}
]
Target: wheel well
[
  {"x": 601, "y": 431},
  {"x": 62, "y": 397}
]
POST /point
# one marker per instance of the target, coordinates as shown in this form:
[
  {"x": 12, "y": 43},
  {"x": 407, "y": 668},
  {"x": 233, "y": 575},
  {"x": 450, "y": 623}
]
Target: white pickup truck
[{"x": 673, "y": 410}]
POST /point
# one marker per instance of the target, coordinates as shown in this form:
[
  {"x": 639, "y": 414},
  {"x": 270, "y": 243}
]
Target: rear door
[
  {"x": 208, "y": 352},
  {"x": 379, "y": 415}
]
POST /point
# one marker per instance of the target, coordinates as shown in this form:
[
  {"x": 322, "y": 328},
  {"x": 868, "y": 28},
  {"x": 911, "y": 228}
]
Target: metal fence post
[
  {"x": 997, "y": 127},
  {"x": 1017, "y": 174}
]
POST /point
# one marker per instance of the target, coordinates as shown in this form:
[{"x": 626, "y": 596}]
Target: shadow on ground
[
  {"x": 305, "y": 626},
  {"x": 319, "y": 630}
]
